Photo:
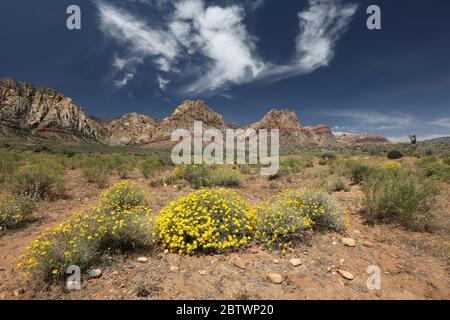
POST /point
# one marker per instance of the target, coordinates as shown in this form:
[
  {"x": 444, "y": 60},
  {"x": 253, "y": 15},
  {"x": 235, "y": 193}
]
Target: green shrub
[
  {"x": 359, "y": 172},
  {"x": 15, "y": 211},
  {"x": 44, "y": 179},
  {"x": 8, "y": 165},
  {"x": 150, "y": 164},
  {"x": 207, "y": 176},
  {"x": 328, "y": 156},
  {"x": 395, "y": 195},
  {"x": 432, "y": 167},
  {"x": 287, "y": 218},
  {"x": 446, "y": 160},
  {"x": 225, "y": 177},
  {"x": 96, "y": 171},
  {"x": 394, "y": 154},
  {"x": 337, "y": 185}
]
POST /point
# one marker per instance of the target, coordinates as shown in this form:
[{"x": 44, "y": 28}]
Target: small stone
[
  {"x": 174, "y": 268},
  {"x": 295, "y": 262},
  {"x": 368, "y": 244},
  {"x": 334, "y": 243},
  {"x": 275, "y": 278},
  {"x": 95, "y": 273},
  {"x": 241, "y": 264},
  {"x": 345, "y": 274},
  {"x": 166, "y": 251},
  {"x": 349, "y": 242},
  {"x": 115, "y": 273},
  {"x": 341, "y": 261},
  {"x": 254, "y": 250},
  {"x": 19, "y": 292},
  {"x": 203, "y": 272},
  {"x": 276, "y": 261},
  {"x": 142, "y": 259},
  {"x": 357, "y": 232}
]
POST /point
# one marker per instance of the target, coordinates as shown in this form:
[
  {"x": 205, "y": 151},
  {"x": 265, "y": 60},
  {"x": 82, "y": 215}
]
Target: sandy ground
[{"x": 413, "y": 265}]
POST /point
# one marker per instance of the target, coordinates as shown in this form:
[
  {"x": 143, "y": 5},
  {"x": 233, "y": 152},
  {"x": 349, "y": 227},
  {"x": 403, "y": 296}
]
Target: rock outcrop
[
  {"x": 363, "y": 138},
  {"x": 130, "y": 129},
  {"x": 41, "y": 112}
]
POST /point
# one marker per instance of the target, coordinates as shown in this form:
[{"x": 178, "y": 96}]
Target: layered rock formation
[{"x": 41, "y": 112}]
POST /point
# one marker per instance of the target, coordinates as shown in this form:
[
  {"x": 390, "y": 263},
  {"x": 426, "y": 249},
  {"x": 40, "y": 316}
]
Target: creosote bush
[
  {"x": 337, "y": 185},
  {"x": 206, "y": 221},
  {"x": 150, "y": 164},
  {"x": 287, "y": 218},
  {"x": 395, "y": 195},
  {"x": 96, "y": 171},
  {"x": 85, "y": 236},
  {"x": 208, "y": 176}
]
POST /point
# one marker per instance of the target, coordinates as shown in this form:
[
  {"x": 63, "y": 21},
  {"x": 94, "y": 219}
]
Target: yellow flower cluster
[
  {"x": 208, "y": 220},
  {"x": 123, "y": 195},
  {"x": 393, "y": 165},
  {"x": 79, "y": 240},
  {"x": 288, "y": 217}
]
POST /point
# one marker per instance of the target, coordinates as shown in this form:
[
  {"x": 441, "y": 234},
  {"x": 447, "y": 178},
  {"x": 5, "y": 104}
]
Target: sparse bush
[
  {"x": 359, "y": 172},
  {"x": 206, "y": 221},
  {"x": 123, "y": 195},
  {"x": 287, "y": 218},
  {"x": 395, "y": 154},
  {"x": 337, "y": 185},
  {"x": 14, "y": 211},
  {"x": 44, "y": 179},
  {"x": 394, "y": 195},
  {"x": 85, "y": 236},
  {"x": 431, "y": 167},
  {"x": 207, "y": 176},
  {"x": 328, "y": 156},
  {"x": 446, "y": 160},
  {"x": 150, "y": 164},
  {"x": 96, "y": 171}
]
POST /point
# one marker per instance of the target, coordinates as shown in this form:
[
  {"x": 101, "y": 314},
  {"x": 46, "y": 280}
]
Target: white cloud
[
  {"x": 123, "y": 82},
  {"x": 162, "y": 83},
  {"x": 442, "y": 122},
  {"x": 210, "y": 47}
]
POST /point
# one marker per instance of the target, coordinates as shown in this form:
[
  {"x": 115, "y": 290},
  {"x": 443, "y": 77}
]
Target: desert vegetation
[{"x": 138, "y": 204}]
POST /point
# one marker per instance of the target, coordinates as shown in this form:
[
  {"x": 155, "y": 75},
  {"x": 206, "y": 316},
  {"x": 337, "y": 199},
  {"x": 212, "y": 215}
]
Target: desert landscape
[{"x": 105, "y": 196}]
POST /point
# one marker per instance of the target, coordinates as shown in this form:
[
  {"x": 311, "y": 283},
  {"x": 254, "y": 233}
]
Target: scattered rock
[
  {"x": 276, "y": 261},
  {"x": 203, "y": 272},
  {"x": 345, "y": 274},
  {"x": 295, "y": 262},
  {"x": 166, "y": 251},
  {"x": 95, "y": 273},
  {"x": 115, "y": 273},
  {"x": 19, "y": 292},
  {"x": 275, "y": 278},
  {"x": 349, "y": 242},
  {"x": 368, "y": 244},
  {"x": 357, "y": 232},
  {"x": 334, "y": 243},
  {"x": 241, "y": 264},
  {"x": 341, "y": 261},
  {"x": 174, "y": 268},
  {"x": 142, "y": 259}
]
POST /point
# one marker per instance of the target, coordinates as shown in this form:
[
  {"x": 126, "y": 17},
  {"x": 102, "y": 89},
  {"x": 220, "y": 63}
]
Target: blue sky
[{"x": 243, "y": 58}]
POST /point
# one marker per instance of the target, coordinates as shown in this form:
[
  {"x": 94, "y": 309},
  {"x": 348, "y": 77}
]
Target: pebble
[
  {"x": 349, "y": 242},
  {"x": 241, "y": 264},
  {"x": 276, "y": 261},
  {"x": 115, "y": 273},
  {"x": 345, "y": 274},
  {"x": 275, "y": 278},
  {"x": 203, "y": 272},
  {"x": 342, "y": 261},
  {"x": 142, "y": 259},
  {"x": 166, "y": 251},
  {"x": 334, "y": 243},
  {"x": 174, "y": 268},
  {"x": 19, "y": 292},
  {"x": 95, "y": 273},
  {"x": 295, "y": 262}
]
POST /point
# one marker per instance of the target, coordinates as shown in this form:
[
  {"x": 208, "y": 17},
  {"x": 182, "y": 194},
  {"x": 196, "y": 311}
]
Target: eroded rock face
[
  {"x": 184, "y": 116},
  {"x": 41, "y": 112},
  {"x": 131, "y": 129}
]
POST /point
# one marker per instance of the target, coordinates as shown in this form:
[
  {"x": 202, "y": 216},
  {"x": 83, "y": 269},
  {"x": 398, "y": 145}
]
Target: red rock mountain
[{"x": 31, "y": 111}]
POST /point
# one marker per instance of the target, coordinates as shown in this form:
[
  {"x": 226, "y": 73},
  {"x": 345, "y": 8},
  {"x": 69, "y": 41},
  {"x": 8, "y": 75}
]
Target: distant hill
[{"x": 442, "y": 140}]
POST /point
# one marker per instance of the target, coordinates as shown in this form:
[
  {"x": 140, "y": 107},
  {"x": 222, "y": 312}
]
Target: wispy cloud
[
  {"x": 210, "y": 48},
  {"x": 442, "y": 122},
  {"x": 373, "y": 119}
]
